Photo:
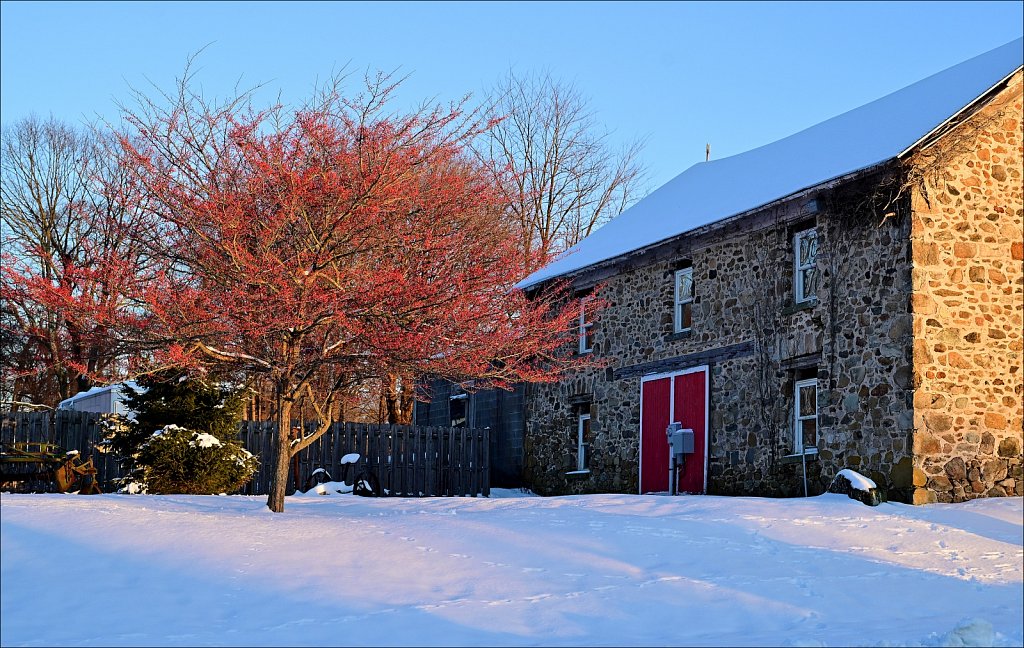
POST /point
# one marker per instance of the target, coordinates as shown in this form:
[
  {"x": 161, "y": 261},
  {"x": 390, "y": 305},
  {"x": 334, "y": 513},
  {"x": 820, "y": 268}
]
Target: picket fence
[{"x": 408, "y": 461}]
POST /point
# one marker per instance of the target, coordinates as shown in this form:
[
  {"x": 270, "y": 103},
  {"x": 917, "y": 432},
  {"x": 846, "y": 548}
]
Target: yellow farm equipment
[{"x": 33, "y": 467}]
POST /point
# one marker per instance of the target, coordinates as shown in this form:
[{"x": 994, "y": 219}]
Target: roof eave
[{"x": 722, "y": 222}]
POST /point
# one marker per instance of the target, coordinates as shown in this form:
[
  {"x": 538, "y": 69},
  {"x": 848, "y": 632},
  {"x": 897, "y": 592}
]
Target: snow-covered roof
[
  {"x": 854, "y": 141},
  {"x": 92, "y": 391}
]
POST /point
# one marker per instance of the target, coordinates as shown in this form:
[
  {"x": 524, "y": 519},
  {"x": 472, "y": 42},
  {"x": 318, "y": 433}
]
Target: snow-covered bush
[
  {"x": 178, "y": 460},
  {"x": 182, "y": 437}
]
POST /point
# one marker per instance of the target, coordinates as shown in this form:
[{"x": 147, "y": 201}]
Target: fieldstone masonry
[
  {"x": 915, "y": 335},
  {"x": 968, "y": 307}
]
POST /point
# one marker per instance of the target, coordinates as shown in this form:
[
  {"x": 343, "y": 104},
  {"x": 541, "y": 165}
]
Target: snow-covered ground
[{"x": 585, "y": 570}]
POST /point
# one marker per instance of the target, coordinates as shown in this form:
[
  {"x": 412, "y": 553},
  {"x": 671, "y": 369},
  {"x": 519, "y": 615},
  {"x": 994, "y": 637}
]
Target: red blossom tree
[{"x": 322, "y": 247}]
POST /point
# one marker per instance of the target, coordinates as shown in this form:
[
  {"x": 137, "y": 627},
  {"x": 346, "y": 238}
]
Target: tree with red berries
[{"x": 321, "y": 247}]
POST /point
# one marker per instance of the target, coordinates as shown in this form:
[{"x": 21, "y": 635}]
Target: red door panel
[
  {"x": 655, "y": 397},
  {"x": 690, "y": 403}
]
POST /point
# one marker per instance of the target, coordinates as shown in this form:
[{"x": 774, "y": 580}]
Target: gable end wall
[{"x": 968, "y": 307}]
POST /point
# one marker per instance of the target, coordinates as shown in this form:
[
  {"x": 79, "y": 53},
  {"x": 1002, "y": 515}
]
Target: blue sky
[{"x": 737, "y": 75}]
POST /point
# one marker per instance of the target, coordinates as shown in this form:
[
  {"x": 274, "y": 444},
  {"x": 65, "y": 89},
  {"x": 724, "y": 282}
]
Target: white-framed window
[
  {"x": 582, "y": 441},
  {"x": 805, "y": 254},
  {"x": 586, "y": 328},
  {"x": 683, "y": 300},
  {"x": 805, "y": 424}
]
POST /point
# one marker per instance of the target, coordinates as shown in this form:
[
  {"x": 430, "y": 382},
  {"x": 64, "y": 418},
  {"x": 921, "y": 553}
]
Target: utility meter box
[
  {"x": 680, "y": 439},
  {"x": 687, "y": 440}
]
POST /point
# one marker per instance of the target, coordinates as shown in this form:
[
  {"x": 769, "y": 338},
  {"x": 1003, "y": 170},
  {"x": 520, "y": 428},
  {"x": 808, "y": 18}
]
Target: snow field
[{"x": 583, "y": 570}]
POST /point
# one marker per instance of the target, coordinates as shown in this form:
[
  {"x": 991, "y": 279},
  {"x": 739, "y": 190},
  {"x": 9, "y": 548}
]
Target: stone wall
[
  {"x": 968, "y": 307},
  {"x": 857, "y": 336}
]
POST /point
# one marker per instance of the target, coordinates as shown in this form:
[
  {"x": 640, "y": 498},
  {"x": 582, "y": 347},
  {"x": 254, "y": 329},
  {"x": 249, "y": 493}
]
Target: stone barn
[{"x": 847, "y": 297}]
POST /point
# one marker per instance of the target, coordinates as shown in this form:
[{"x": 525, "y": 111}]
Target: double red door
[{"x": 683, "y": 398}]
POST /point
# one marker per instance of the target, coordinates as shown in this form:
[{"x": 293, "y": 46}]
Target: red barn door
[
  {"x": 690, "y": 405},
  {"x": 655, "y": 410},
  {"x": 681, "y": 397}
]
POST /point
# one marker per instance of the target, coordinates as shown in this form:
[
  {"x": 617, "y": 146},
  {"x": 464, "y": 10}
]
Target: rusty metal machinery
[{"x": 35, "y": 466}]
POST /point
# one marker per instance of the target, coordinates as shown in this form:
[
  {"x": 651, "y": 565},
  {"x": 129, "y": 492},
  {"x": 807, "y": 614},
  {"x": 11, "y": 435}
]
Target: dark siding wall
[{"x": 499, "y": 410}]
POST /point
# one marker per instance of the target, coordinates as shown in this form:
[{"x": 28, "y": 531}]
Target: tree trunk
[
  {"x": 398, "y": 399},
  {"x": 282, "y": 456}
]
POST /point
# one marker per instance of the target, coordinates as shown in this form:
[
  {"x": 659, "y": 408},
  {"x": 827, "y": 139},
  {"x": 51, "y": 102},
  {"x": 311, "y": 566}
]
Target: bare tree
[
  {"x": 66, "y": 231},
  {"x": 559, "y": 174}
]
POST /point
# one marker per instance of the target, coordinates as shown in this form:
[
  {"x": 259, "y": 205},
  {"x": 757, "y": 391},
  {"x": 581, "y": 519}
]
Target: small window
[
  {"x": 583, "y": 442},
  {"x": 806, "y": 409},
  {"x": 458, "y": 404},
  {"x": 805, "y": 280},
  {"x": 683, "y": 300},
  {"x": 586, "y": 328}
]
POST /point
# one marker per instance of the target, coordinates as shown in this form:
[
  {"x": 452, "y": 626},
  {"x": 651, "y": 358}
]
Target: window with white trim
[
  {"x": 683, "y": 300},
  {"x": 583, "y": 442},
  {"x": 586, "y": 328},
  {"x": 805, "y": 254},
  {"x": 805, "y": 424}
]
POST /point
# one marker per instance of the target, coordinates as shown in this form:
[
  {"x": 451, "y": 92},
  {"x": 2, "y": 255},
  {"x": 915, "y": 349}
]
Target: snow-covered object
[
  {"x": 242, "y": 456},
  {"x": 204, "y": 440},
  {"x": 969, "y": 632},
  {"x": 327, "y": 488},
  {"x": 857, "y": 486},
  {"x": 350, "y": 458},
  {"x": 133, "y": 488},
  {"x": 857, "y": 480},
  {"x": 167, "y": 429},
  {"x": 854, "y": 141},
  {"x": 108, "y": 399}
]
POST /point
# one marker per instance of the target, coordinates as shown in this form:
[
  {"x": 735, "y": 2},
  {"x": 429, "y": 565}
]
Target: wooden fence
[
  {"x": 410, "y": 461},
  {"x": 67, "y": 428}
]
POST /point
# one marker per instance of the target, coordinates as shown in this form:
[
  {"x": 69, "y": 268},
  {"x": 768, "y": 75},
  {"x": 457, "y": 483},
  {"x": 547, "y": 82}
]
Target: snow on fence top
[{"x": 854, "y": 141}]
